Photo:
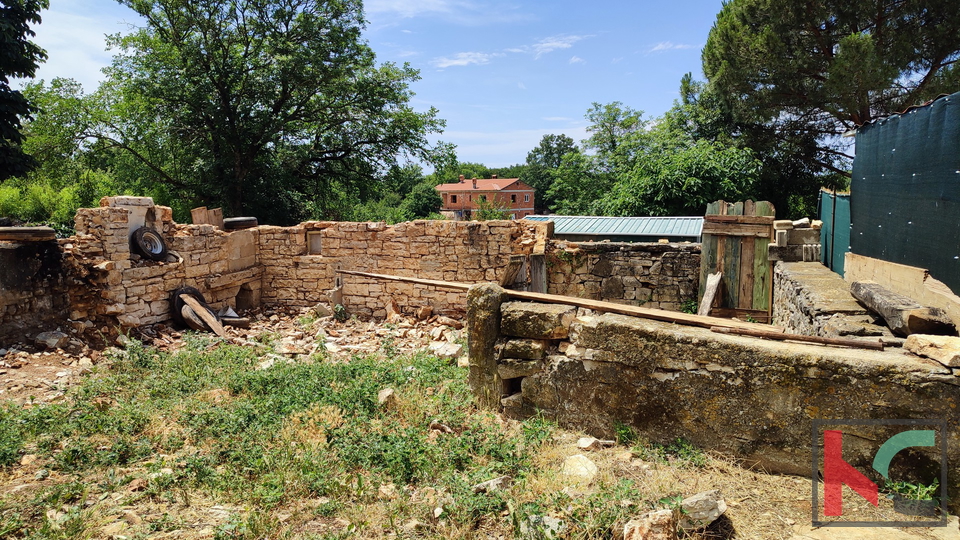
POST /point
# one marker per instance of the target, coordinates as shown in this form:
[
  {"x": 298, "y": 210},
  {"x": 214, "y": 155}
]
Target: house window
[
  {"x": 526, "y": 197},
  {"x": 453, "y": 199},
  {"x": 513, "y": 198}
]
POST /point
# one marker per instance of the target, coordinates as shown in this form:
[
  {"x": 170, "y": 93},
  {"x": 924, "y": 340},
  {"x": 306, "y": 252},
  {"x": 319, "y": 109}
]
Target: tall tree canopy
[
  {"x": 225, "y": 101},
  {"x": 541, "y": 161},
  {"x": 808, "y": 71},
  {"x": 19, "y": 57}
]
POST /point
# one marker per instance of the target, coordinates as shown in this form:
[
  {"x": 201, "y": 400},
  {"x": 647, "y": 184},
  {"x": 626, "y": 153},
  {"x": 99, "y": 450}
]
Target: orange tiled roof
[{"x": 483, "y": 184}]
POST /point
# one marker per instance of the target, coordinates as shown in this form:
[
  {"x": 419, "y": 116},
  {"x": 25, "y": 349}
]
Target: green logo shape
[{"x": 900, "y": 441}]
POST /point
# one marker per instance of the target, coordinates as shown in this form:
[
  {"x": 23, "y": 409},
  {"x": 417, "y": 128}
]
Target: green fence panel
[{"x": 905, "y": 204}]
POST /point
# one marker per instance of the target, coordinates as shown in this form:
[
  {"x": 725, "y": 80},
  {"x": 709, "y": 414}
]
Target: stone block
[
  {"x": 802, "y": 236},
  {"x": 527, "y": 349},
  {"x": 782, "y": 225},
  {"x": 537, "y": 321},
  {"x": 513, "y": 368},
  {"x": 943, "y": 349}
]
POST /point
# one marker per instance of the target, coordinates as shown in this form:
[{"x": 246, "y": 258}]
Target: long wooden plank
[
  {"x": 747, "y": 247},
  {"x": 783, "y": 336},
  {"x": 762, "y": 269},
  {"x": 598, "y": 305},
  {"x": 645, "y": 313},
  {"x": 204, "y": 314},
  {"x": 731, "y": 263},
  {"x": 420, "y": 281}
]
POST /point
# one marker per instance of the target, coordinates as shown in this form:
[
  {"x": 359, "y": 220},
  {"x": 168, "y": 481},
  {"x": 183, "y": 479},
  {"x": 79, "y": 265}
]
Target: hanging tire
[
  {"x": 177, "y": 304},
  {"x": 237, "y": 223},
  {"x": 149, "y": 243}
]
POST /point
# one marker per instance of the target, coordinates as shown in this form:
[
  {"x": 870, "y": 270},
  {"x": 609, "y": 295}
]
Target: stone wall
[
  {"x": 300, "y": 263},
  {"x": 110, "y": 288},
  {"x": 113, "y": 286},
  {"x": 810, "y": 299},
  {"x": 652, "y": 275},
  {"x": 33, "y": 290},
  {"x": 747, "y": 397}
]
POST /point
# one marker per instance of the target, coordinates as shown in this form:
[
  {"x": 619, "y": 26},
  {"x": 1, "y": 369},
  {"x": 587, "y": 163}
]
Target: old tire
[
  {"x": 149, "y": 243},
  {"x": 176, "y": 304},
  {"x": 237, "y": 223},
  {"x": 27, "y": 234}
]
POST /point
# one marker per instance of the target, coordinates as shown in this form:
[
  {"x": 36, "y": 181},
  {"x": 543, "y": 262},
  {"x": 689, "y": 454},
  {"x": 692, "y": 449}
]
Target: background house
[{"x": 461, "y": 199}]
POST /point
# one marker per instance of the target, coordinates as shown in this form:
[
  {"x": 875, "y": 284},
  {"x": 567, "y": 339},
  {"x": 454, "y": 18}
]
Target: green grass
[{"x": 279, "y": 435}]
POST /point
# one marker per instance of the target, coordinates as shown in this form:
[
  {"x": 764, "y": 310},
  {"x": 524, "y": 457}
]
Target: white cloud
[
  {"x": 554, "y": 43},
  {"x": 521, "y": 86},
  {"x": 577, "y": 60},
  {"x": 75, "y": 43},
  {"x": 464, "y": 59},
  {"x": 664, "y": 46}
]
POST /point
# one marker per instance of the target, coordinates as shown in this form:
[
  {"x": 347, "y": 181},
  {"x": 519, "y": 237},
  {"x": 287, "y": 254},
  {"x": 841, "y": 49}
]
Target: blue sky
[{"x": 502, "y": 73}]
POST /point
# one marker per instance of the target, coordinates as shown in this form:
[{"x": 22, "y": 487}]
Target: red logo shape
[{"x": 836, "y": 472}]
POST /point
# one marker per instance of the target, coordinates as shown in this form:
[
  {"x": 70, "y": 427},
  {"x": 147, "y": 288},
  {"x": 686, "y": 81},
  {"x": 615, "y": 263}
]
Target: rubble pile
[{"x": 42, "y": 370}]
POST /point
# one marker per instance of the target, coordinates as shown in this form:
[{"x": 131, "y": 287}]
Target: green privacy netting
[{"x": 905, "y": 204}]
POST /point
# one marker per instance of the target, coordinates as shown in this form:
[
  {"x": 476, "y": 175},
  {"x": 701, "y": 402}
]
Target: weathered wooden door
[{"x": 734, "y": 242}]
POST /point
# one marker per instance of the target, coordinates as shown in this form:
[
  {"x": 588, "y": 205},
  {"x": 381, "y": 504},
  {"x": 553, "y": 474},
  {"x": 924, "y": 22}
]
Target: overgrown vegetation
[{"x": 205, "y": 423}]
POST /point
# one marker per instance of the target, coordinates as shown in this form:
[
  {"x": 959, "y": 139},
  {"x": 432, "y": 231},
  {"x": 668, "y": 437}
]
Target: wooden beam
[
  {"x": 713, "y": 283},
  {"x": 204, "y": 314},
  {"x": 902, "y": 314},
  {"x": 430, "y": 282},
  {"x": 782, "y": 336},
  {"x": 597, "y": 305}
]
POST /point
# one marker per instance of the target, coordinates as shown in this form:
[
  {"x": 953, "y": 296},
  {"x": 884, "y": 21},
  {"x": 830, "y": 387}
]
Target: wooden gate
[{"x": 734, "y": 243}]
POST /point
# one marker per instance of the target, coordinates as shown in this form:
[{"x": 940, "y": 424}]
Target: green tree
[
  {"x": 806, "y": 72},
  {"x": 542, "y": 161},
  {"x": 487, "y": 209},
  {"x": 20, "y": 58},
  {"x": 422, "y": 202},
  {"x": 226, "y": 101},
  {"x": 576, "y": 184}
]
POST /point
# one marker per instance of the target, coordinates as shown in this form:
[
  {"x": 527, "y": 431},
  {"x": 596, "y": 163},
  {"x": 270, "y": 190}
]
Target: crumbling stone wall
[
  {"x": 109, "y": 287},
  {"x": 300, "y": 263},
  {"x": 743, "y": 396},
  {"x": 652, "y": 275},
  {"x": 113, "y": 286},
  {"x": 810, "y": 299},
  {"x": 33, "y": 290}
]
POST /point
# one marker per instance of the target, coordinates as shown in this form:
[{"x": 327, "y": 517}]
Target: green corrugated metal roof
[{"x": 660, "y": 227}]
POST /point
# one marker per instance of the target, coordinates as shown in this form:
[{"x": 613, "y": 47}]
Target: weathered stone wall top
[
  {"x": 744, "y": 396},
  {"x": 810, "y": 299},
  {"x": 652, "y": 275}
]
